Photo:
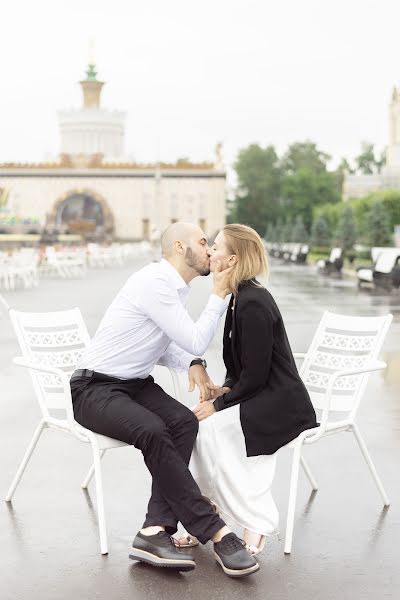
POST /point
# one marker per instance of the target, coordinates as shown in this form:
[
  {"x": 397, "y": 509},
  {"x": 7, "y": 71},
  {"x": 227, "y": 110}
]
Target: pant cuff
[{"x": 171, "y": 527}]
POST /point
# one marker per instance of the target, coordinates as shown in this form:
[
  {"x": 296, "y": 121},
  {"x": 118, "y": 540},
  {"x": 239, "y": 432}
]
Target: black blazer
[{"x": 274, "y": 404}]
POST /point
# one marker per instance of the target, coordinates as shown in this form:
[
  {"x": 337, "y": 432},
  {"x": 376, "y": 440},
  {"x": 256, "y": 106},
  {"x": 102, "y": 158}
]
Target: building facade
[
  {"x": 356, "y": 186},
  {"x": 93, "y": 188}
]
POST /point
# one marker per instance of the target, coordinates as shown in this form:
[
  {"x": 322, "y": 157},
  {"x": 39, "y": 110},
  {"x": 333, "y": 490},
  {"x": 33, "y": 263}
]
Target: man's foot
[
  {"x": 160, "y": 551},
  {"x": 233, "y": 557}
]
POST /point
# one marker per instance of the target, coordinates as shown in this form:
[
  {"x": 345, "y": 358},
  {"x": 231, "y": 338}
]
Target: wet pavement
[{"x": 345, "y": 544}]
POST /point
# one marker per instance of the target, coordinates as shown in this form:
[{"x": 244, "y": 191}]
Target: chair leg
[
  {"x": 90, "y": 474},
  {"x": 292, "y": 499},
  {"x": 25, "y": 460},
  {"x": 308, "y": 473},
  {"x": 370, "y": 464},
  {"x": 100, "y": 498}
]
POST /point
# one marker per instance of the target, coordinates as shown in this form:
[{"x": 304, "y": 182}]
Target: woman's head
[{"x": 239, "y": 247}]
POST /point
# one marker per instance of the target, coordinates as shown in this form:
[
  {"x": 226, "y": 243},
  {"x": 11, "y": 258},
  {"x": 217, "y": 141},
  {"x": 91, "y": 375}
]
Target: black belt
[{"x": 82, "y": 373}]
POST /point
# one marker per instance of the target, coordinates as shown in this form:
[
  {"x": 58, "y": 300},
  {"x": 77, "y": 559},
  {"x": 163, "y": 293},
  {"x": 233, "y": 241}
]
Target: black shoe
[
  {"x": 159, "y": 550},
  {"x": 233, "y": 557}
]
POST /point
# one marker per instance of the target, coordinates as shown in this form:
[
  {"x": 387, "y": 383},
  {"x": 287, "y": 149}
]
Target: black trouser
[{"x": 139, "y": 412}]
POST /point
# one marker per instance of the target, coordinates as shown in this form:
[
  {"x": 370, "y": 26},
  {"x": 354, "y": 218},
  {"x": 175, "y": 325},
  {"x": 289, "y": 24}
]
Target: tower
[
  {"x": 92, "y": 130},
  {"x": 393, "y": 150},
  {"x": 91, "y": 88}
]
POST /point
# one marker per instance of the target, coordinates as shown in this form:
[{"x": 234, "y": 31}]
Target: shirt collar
[{"x": 174, "y": 277}]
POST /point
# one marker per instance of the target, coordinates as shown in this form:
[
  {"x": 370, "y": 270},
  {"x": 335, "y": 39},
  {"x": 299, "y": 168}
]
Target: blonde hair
[{"x": 250, "y": 251}]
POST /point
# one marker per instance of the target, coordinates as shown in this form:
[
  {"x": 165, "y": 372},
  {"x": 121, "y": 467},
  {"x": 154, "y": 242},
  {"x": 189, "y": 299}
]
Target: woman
[{"x": 262, "y": 405}]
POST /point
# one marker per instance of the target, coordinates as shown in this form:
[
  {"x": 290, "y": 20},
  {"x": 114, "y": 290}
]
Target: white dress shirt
[{"x": 147, "y": 324}]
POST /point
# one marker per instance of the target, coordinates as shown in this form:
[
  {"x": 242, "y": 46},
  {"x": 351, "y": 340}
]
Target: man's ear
[{"x": 178, "y": 247}]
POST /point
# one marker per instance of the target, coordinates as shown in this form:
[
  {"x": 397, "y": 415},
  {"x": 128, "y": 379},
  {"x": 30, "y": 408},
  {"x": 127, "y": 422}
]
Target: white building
[
  {"x": 356, "y": 186},
  {"x": 94, "y": 187}
]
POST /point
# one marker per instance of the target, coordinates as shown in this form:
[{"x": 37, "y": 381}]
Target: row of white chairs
[
  {"x": 335, "y": 369},
  {"x": 25, "y": 267},
  {"x": 19, "y": 269}
]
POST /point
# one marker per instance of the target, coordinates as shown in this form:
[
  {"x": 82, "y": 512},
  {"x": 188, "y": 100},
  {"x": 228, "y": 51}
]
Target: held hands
[
  {"x": 199, "y": 376},
  {"x": 204, "y": 410},
  {"x": 221, "y": 280},
  {"x": 216, "y": 391}
]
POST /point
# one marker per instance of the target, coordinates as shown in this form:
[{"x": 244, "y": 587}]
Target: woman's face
[{"x": 219, "y": 251}]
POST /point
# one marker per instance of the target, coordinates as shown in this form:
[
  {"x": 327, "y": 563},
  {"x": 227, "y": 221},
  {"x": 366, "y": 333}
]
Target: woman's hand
[
  {"x": 216, "y": 391},
  {"x": 221, "y": 280},
  {"x": 204, "y": 410}
]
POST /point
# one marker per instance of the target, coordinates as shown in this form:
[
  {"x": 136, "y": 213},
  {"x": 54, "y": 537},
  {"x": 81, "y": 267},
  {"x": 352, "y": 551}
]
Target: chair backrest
[
  {"x": 386, "y": 260},
  {"x": 340, "y": 343},
  {"x": 53, "y": 339},
  {"x": 335, "y": 254}
]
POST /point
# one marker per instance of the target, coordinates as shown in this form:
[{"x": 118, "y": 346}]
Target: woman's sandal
[
  {"x": 257, "y": 549},
  {"x": 186, "y": 541},
  {"x": 189, "y": 541}
]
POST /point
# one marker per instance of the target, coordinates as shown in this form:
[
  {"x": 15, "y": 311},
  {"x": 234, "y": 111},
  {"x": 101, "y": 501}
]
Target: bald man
[{"x": 114, "y": 394}]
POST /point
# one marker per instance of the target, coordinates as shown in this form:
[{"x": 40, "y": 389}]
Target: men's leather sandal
[
  {"x": 233, "y": 557},
  {"x": 159, "y": 550}
]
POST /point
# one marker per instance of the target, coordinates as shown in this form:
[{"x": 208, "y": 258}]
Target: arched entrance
[{"x": 84, "y": 212}]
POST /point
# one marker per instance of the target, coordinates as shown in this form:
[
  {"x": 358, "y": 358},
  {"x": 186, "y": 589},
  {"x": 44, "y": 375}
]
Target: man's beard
[{"x": 202, "y": 268}]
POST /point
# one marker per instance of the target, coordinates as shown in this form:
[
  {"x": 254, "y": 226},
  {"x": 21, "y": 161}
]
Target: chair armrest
[
  {"x": 175, "y": 382},
  {"x": 375, "y": 365},
  {"x": 21, "y": 361},
  {"x": 299, "y": 354}
]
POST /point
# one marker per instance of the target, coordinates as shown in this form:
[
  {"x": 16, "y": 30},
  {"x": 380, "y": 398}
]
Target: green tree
[
  {"x": 346, "y": 232},
  {"x": 379, "y": 228},
  {"x": 299, "y": 233},
  {"x": 270, "y": 234},
  {"x": 286, "y": 232},
  {"x": 304, "y": 155},
  {"x": 305, "y": 189},
  {"x": 367, "y": 163},
  {"x": 278, "y": 229},
  {"x": 320, "y": 234},
  {"x": 259, "y": 182}
]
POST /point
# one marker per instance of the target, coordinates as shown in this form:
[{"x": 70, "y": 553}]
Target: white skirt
[{"x": 240, "y": 486}]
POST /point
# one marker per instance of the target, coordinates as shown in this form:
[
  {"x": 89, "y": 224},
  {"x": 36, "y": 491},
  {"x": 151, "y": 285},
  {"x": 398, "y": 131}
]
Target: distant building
[
  {"x": 356, "y": 186},
  {"x": 94, "y": 189}
]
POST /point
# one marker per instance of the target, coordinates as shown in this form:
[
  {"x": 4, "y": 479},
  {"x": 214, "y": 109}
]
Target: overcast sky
[{"x": 192, "y": 73}]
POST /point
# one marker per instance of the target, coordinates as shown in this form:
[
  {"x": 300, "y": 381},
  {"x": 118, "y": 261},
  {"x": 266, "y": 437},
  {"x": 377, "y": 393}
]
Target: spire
[
  {"x": 91, "y": 87},
  {"x": 91, "y": 73}
]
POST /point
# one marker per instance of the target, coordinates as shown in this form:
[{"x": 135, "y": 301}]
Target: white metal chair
[
  {"x": 51, "y": 345},
  {"x": 335, "y": 370}
]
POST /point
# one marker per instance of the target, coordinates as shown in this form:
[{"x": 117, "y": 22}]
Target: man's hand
[
  {"x": 199, "y": 376},
  {"x": 221, "y": 280},
  {"x": 216, "y": 391},
  {"x": 204, "y": 410}
]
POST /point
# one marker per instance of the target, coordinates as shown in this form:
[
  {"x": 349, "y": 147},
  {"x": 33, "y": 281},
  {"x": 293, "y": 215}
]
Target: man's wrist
[{"x": 198, "y": 361}]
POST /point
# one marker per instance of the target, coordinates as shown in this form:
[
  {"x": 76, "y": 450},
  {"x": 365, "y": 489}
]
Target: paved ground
[{"x": 345, "y": 544}]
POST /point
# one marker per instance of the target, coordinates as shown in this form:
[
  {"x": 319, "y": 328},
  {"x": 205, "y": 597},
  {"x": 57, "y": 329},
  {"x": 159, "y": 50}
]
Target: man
[{"x": 114, "y": 395}]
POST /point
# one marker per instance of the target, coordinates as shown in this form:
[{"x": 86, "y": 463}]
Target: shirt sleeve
[
  {"x": 176, "y": 358},
  {"x": 256, "y": 327},
  {"x": 162, "y": 304}
]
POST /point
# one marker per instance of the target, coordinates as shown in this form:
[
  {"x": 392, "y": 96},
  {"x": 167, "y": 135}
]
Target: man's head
[{"x": 185, "y": 246}]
